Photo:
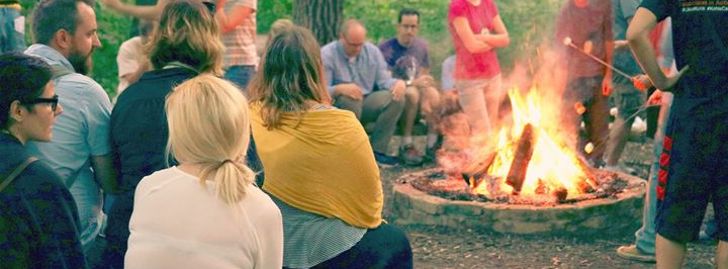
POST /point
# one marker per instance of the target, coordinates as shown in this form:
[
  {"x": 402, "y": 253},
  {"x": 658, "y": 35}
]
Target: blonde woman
[
  {"x": 184, "y": 44},
  {"x": 319, "y": 165},
  {"x": 205, "y": 212}
]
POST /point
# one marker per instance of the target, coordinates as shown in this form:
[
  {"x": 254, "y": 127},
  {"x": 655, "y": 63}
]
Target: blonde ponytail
[{"x": 209, "y": 126}]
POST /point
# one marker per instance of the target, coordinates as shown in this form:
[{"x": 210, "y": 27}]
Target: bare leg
[
  {"x": 411, "y": 105},
  {"x": 617, "y": 140},
  {"x": 430, "y": 108},
  {"x": 721, "y": 255},
  {"x": 494, "y": 95},
  {"x": 669, "y": 254}
]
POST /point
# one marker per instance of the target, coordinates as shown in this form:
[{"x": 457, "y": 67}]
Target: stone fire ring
[{"x": 606, "y": 216}]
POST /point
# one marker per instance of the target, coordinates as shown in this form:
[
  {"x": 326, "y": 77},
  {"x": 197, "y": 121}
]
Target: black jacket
[{"x": 38, "y": 216}]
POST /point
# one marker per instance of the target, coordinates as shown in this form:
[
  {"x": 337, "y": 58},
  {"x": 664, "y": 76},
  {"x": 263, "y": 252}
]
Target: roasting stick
[
  {"x": 567, "y": 42},
  {"x": 640, "y": 110}
]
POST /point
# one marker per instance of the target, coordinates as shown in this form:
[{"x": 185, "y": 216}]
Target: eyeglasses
[
  {"x": 409, "y": 26},
  {"x": 53, "y": 101}
]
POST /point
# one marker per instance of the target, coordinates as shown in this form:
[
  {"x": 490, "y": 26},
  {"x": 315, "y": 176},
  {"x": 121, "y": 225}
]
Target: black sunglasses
[{"x": 53, "y": 101}]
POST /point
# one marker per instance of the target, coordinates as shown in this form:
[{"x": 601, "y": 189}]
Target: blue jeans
[
  {"x": 12, "y": 36},
  {"x": 240, "y": 75},
  {"x": 645, "y": 236}
]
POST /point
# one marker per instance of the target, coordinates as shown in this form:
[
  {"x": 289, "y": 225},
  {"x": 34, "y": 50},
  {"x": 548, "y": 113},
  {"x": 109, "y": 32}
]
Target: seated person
[
  {"x": 319, "y": 165},
  {"x": 408, "y": 59},
  {"x": 358, "y": 81},
  {"x": 131, "y": 60},
  {"x": 205, "y": 212},
  {"x": 138, "y": 121},
  {"x": 38, "y": 216}
]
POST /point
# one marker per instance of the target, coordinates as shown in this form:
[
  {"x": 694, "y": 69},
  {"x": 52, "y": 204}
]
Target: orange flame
[{"x": 553, "y": 165}]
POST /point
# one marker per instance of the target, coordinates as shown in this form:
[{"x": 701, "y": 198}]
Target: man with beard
[{"x": 65, "y": 34}]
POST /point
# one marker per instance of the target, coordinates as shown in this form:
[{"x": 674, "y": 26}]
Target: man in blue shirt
[
  {"x": 358, "y": 80},
  {"x": 66, "y": 35}
]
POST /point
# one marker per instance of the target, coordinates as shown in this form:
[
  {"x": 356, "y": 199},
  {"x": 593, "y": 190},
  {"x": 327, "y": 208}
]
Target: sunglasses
[{"x": 53, "y": 101}]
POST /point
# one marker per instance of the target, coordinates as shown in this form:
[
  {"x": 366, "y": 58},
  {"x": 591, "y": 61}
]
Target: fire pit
[
  {"x": 605, "y": 213},
  {"x": 523, "y": 178}
]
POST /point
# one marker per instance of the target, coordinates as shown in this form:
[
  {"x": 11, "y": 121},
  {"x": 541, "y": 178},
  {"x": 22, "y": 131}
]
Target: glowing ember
[{"x": 552, "y": 169}]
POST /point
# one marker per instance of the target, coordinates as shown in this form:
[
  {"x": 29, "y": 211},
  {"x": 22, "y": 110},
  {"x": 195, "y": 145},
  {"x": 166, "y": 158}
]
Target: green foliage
[
  {"x": 114, "y": 29},
  {"x": 270, "y": 11},
  {"x": 530, "y": 24}
]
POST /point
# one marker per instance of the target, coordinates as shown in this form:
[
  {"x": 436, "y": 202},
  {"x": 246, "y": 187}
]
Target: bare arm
[
  {"x": 500, "y": 38},
  {"x": 472, "y": 44},
  {"x": 151, "y": 13},
  {"x": 134, "y": 76},
  {"x": 637, "y": 35},
  {"x": 105, "y": 173},
  {"x": 228, "y": 21}
]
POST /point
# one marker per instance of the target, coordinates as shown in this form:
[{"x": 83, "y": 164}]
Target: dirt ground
[{"x": 441, "y": 247}]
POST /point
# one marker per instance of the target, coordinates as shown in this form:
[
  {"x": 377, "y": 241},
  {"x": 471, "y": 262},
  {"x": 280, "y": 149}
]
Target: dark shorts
[{"x": 693, "y": 171}]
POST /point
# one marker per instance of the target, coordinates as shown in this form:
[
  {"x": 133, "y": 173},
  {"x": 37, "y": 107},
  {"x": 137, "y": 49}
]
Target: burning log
[
  {"x": 560, "y": 194},
  {"x": 475, "y": 174},
  {"x": 521, "y": 158},
  {"x": 586, "y": 184}
]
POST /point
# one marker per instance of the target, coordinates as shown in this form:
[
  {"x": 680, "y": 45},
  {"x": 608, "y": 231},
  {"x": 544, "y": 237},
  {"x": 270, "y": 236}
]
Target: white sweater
[{"x": 178, "y": 223}]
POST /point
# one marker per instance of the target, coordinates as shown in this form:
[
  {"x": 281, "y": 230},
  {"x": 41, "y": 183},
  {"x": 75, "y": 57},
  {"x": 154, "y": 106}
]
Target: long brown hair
[
  {"x": 187, "y": 33},
  {"x": 291, "y": 73}
]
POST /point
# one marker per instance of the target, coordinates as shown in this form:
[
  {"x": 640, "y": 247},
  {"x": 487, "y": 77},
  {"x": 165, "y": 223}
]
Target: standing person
[
  {"x": 588, "y": 25},
  {"x": 319, "y": 165},
  {"x": 12, "y": 30},
  {"x": 692, "y": 163},
  {"x": 38, "y": 217},
  {"x": 223, "y": 220},
  {"x": 65, "y": 33},
  {"x": 408, "y": 59},
  {"x": 643, "y": 249},
  {"x": 139, "y": 123},
  {"x": 477, "y": 31},
  {"x": 627, "y": 98},
  {"x": 237, "y": 23},
  {"x": 358, "y": 81}
]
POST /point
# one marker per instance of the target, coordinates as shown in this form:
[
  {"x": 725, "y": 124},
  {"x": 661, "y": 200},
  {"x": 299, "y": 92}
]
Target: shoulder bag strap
[{"x": 16, "y": 172}]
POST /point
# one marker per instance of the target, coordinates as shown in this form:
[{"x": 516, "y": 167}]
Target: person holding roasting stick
[{"x": 587, "y": 25}]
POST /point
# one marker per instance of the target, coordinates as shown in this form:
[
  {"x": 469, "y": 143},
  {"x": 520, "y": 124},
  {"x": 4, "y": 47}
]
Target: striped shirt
[
  {"x": 310, "y": 239},
  {"x": 240, "y": 42}
]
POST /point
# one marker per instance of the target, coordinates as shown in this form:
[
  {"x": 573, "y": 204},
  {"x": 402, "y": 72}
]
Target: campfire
[{"x": 526, "y": 161}]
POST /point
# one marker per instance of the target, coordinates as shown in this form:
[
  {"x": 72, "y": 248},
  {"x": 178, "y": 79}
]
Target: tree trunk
[{"x": 322, "y": 17}]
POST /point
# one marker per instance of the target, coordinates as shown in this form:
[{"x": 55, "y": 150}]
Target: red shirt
[{"x": 469, "y": 66}]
